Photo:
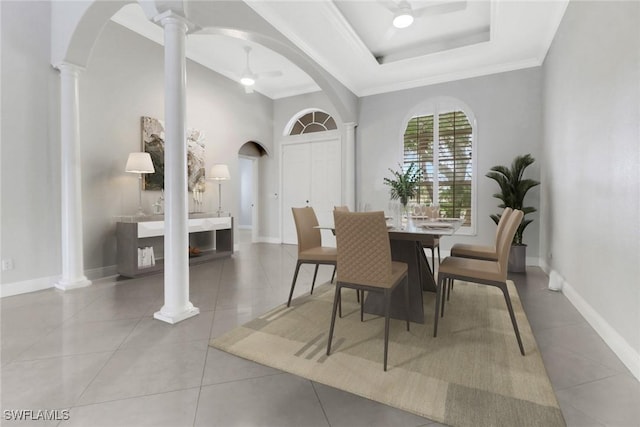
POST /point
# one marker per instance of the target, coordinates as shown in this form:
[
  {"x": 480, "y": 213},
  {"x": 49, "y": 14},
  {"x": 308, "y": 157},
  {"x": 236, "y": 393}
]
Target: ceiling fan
[
  {"x": 404, "y": 14},
  {"x": 248, "y": 78}
]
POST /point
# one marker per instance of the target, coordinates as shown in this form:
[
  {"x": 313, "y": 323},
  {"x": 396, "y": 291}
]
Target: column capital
[
  {"x": 68, "y": 67},
  {"x": 171, "y": 17},
  {"x": 350, "y": 125}
]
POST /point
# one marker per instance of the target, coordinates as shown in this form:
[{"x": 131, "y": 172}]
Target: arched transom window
[{"x": 313, "y": 121}]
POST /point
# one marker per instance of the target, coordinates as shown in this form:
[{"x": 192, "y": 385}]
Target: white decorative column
[
  {"x": 176, "y": 306},
  {"x": 350, "y": 166},
  {"x": 71, "y": 189}
]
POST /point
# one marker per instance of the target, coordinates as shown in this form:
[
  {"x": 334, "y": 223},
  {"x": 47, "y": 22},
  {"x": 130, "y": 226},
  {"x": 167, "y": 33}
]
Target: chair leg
[
  {"x": 339, "y": 303},
  {"x": 449, "y": 286},
  {"x": 358, "y": 295},
  {"x": 361, "y": 306},
  {"x": 387, "y": 312},
  {"x": 293, "y": 283},
  {"x": 315, "y": 273},
  {"x": 406, "y": 299},
  {"x": 433, "y": 259},
  {"x": 333, "y": 317},
  {"x": 333, "y": 276},
  {"x": 444, "y": 293},
  {"x": 439, "y": 285},
  {"x": 439, "y": 254},
  {"x": 505, "y": 291}
]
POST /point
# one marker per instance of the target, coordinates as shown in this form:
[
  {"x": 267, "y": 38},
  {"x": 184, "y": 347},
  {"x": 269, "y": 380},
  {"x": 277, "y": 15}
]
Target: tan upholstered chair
[
  {"x": 482, "y": 252},
  {"x": 492, "y": 273},
  {"x": 341, "y": 208},
  {"x": 364, "y": 263},
  {"x": 490, "y": 253},
  {"x": 310, "y": 249}
]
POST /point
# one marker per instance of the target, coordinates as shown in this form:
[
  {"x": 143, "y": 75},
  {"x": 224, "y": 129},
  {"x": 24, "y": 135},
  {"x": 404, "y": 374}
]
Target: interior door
[
  {"x": 326, "y": 188},
  {"x": 311, "y": 176},
  {"x": 296, "y": 186}
]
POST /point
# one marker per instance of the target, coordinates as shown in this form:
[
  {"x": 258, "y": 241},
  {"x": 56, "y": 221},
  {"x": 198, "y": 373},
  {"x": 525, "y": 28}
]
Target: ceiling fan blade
[
  {"x": 389, "y": 4},
  {"x": 441, "y": 8}
]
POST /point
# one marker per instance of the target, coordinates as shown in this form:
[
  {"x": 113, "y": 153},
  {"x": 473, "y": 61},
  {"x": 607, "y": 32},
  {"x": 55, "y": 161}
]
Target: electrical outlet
[{"x": 7, "y": 264}]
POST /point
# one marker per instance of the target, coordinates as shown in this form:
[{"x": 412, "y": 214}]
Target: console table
[{"x": 211, "y": 235}]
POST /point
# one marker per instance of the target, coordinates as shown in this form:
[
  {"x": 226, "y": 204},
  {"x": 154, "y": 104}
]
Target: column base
[
  {"x": 174, "y": 318},
  {"x": 66, "y": 285}
]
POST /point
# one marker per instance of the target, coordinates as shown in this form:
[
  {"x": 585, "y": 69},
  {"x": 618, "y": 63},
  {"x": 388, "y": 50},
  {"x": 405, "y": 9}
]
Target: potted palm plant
[
  {"x": 513, "y": 189},
  {"x": 404, "y": 184}
]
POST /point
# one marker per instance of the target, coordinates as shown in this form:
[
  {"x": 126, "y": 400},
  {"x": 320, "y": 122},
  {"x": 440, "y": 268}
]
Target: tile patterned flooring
[{"x": 98, "y": 352}]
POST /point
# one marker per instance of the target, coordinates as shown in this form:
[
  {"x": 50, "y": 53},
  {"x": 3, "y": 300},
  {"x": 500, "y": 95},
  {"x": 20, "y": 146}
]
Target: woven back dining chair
[{"x": 364, "y": 264}]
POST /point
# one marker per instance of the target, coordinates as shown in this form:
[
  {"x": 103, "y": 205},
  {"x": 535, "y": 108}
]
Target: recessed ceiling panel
[{"x": 438, "y": 26}]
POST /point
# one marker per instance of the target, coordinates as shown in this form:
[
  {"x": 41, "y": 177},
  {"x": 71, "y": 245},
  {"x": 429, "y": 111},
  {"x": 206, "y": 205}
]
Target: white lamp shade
[
  {"x": 219, "y": 172},
  {"x": 139, "y": 163}
]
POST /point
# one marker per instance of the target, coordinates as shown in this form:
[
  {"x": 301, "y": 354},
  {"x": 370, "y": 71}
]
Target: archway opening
[{"x": 249, "y": 156}]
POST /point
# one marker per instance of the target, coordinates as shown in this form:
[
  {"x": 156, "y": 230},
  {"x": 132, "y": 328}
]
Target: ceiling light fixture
[
  {"x": 403, "y": 17},
  {"x": 247, "y": 80}
]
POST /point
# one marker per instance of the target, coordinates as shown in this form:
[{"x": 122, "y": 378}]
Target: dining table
[{"x": 406, "y": 241}]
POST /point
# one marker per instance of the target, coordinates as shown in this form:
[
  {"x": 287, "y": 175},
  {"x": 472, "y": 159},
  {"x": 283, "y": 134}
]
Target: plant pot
[{"x": 518, "y": 259}]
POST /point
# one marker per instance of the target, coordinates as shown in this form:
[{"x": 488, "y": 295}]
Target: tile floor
[{"x": 99, "y": 353}]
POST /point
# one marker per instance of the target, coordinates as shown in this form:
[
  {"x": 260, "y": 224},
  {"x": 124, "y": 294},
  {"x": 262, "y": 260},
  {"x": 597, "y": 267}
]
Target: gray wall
[
  {"x": 507, "y": 108},
  {"x": 30, "y": 171},
  {"x": 124, "y": 80},
  {"x": 591, "y": 184}
]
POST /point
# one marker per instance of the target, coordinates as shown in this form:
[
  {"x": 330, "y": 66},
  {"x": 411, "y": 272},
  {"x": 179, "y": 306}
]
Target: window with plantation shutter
[{"x": 441, "y": 144}]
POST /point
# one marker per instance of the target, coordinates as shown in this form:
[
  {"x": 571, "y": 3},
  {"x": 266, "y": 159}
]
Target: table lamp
[
  {"x": 219, "y": 172},
  {"x": 139, "y": 163}
]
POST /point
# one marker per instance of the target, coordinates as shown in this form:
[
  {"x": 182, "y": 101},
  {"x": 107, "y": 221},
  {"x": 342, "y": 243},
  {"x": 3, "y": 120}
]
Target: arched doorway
[{"x": 249, "y": 207}]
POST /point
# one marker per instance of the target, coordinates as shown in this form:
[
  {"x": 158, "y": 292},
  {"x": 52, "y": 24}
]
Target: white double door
[{"x": 311, "y": 176}]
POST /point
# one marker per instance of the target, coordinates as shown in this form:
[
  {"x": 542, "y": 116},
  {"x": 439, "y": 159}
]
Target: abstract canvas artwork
[{"x": 153, "y": 143}]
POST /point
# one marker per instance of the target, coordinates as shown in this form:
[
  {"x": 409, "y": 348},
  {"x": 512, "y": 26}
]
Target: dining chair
[
  {"x": 484, "y": 272},
  {"x": 341, "y": 208},
  {"x": 310, "y": 249},
  {"x": 490, "y": 253},
  {"x": 364, "y": 264}
]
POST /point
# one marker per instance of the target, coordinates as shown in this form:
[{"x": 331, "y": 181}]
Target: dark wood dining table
[{"x": 407, "y": 246}]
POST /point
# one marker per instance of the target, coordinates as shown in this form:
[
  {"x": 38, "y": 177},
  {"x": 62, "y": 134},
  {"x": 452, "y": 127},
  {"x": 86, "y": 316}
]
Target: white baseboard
[
  {"x": 627, "y": 354},
  {"x": 275, "y": 240},
  {"x": 101, "y": 272},
  {"x": 26, "y": 286}
]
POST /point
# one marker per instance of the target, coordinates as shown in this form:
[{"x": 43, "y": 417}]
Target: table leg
[{"x": 419, "y": 276}]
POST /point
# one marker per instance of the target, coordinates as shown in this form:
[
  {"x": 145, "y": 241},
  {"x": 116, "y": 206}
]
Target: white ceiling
[{"x": 355, "y": 41}]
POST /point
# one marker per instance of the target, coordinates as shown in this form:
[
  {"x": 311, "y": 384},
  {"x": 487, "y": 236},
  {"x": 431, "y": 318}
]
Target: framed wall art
[{"x": 153, "y": 143}]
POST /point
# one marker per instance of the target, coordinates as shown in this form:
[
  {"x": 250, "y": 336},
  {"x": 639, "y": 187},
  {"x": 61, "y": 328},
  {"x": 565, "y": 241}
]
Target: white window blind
[{"x": 443, "y": 149}]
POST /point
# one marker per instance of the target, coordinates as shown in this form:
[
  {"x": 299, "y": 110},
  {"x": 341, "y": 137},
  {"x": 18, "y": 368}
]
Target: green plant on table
[{"x": 404, "y": 184}]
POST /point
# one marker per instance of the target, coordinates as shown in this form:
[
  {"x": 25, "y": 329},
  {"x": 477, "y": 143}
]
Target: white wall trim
[
  {"x": 274, "y": 240},
  {"x": 101, "y": 272},
  {"x": 26, "y": 286},
  {"x": 622, "y": 349}
]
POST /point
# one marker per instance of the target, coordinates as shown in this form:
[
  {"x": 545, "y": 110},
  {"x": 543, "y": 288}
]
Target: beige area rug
[{"x": 472, "y": 374}]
